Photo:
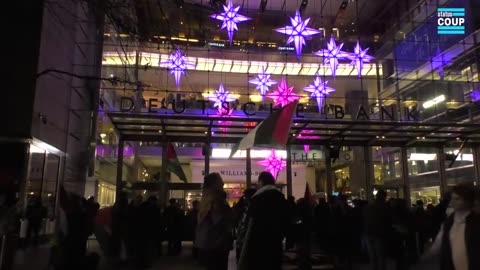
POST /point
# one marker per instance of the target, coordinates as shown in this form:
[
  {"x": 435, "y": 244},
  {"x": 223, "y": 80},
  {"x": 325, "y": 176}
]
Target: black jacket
[
  {"x": 269, "y": 214},
  {"x": 472, "y": 241}
]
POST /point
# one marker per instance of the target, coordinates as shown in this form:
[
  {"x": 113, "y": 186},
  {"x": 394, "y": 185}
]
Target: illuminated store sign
[{"x": 248, "y": 109}]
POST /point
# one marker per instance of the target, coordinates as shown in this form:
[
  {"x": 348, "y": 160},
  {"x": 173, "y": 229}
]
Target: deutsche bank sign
[{"x": 451, "y": 21}]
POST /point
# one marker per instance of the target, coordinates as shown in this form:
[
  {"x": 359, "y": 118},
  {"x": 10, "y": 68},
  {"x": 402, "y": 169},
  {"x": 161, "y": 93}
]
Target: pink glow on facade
[{"x": 273, "y": 164}]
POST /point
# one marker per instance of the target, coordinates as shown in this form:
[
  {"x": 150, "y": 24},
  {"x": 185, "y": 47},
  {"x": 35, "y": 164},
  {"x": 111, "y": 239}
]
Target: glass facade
[{"x": 418, "y": 89}]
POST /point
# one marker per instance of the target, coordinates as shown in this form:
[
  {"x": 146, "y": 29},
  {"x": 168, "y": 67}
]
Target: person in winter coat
[
  {"x": 458, "y": 242},
  {"x": 214, "y": 233},
  {"x": 268, "y": 214},
  {"x": 243, "y": 222}
]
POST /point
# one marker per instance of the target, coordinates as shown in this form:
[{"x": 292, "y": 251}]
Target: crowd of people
[{"x": 261, "y": 227}]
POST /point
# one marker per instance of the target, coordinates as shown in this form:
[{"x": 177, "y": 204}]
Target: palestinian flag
[
  {"x": 173, "y": 165},
  {"x": 272, "y": 132}
]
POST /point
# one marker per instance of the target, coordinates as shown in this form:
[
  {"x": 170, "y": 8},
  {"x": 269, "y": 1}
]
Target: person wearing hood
[
  {"x": 268, "y": 215},
  {"x": 214, "y": 237}
]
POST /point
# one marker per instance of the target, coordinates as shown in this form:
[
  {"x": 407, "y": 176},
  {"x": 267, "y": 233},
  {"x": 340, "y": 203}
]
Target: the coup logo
[{"x": 451, "y": 21}]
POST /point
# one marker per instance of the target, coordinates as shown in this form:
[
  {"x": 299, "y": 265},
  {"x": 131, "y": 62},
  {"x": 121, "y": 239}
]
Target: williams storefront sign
[{"x": 200, "y": 107}]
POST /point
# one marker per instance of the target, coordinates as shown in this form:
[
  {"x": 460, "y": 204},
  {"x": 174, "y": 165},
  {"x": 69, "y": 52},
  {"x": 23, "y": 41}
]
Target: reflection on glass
[{"x": 37, "y": 163}]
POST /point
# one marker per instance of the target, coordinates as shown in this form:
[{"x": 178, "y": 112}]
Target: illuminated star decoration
[
  {"x": 332, "y": 54},
  {"x": 284, "y": 94},
  {"x": 230, "y": 19},
  {"x": 297, "y": 32},
  {"x": 359, "y": 57},
  {"x": 319, "y": 91},
  {"x": 263, "y": 82},
  {"x": 220, "y": 97},
  {"x": 177, "y": 65},
  {"x": 273, "y": 164}
]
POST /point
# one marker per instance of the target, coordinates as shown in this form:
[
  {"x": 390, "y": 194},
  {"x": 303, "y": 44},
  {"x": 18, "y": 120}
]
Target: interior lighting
[
  {"x": 432, "y": 102},
  {"x": 103, "y": 135},
  {"x": 222, "y": 153}
]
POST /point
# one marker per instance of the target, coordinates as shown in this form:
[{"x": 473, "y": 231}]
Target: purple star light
[
  {"x": 297, "y": 32},
  {"x": 177, "y": 65},
  {"x": 273, "y": 164},
  {"x": 332, "y": 54},
  {"x": 284, "y": 94},
  {"x": 359, "y": 57},
  {"x": 221, "y": 97},
  {"x": 230, "y": 19},
  {"x": 263, "y": 82},
  {"x": 319, "y": 91}
]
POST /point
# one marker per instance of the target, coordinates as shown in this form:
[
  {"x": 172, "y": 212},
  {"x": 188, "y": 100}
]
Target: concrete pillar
[
  {"x": 404, "y": 176},
  {"x": 329, "y": 172},
  {"x": 163, "y": 172},
  {"x": 441, "y": 170},
  {"x": 119, "y": 183},
  {"x": 369, "y": 176},
  {"x": 207, "y": 150},
  {"x": 476, "y": 163},
  {"x": 289, "y": 170},
  {"x": 249, "y": 169}
]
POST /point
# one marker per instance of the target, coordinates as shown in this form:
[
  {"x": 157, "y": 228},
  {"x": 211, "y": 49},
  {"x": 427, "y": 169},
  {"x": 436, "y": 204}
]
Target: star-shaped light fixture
[
  {"x": 263, "y": 82},
  {"x": 177, "y": 65},
  {"x": 273, "y": 163},
  {"x": 332, "y": 54},
  {"x": 284, "y": 94},
  {"x": 230, "y": 19},
  {"x": 359, "y": 57},
  {"x": 220, "y": 97},
  {"x": 297, "y": 32},
  {"x": 319, "y": 91}
]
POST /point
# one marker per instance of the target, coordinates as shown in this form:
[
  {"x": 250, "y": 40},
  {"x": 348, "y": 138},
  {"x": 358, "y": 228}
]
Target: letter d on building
[{"x": 124, "y": 104}]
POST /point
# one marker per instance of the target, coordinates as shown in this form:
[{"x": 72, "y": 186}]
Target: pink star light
[
  {"x": 273, "y": 163},
  {"x": 284, "y": 94}
]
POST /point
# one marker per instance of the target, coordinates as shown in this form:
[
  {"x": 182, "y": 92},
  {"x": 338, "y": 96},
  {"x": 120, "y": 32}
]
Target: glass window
[
  {"x": 386, "y": 164},
  {"x": 422, "y": 160},
  {"x": 459, "y": 165}
]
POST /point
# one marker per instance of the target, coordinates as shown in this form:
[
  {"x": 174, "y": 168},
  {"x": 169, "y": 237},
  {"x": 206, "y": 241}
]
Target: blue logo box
[{"x": 451, "y": 21}]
